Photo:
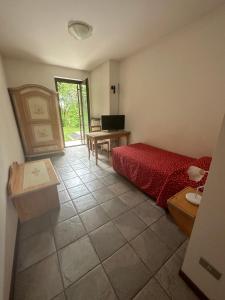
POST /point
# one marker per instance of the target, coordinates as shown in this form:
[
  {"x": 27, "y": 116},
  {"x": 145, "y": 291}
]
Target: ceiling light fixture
[{"x": 80, "y": 30}]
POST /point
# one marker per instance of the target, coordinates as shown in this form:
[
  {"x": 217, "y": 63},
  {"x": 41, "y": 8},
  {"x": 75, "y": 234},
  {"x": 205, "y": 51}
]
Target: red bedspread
[{"x": 157, "y": 172}]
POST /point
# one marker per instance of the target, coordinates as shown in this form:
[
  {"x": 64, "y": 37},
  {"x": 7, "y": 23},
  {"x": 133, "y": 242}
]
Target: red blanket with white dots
[{"x": 158, "y": 173}]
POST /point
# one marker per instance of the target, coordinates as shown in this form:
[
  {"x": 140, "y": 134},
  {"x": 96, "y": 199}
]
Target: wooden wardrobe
[{"x": 37, "y": 113}]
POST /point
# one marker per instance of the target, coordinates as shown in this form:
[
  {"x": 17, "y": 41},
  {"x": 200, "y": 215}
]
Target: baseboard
[
  {"x": 13, "y": 276},
  {"x": 193, "y": 286}
]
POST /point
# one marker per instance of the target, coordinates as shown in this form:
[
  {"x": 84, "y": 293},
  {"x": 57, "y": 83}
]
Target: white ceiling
[{"x": 37, "y": 30}]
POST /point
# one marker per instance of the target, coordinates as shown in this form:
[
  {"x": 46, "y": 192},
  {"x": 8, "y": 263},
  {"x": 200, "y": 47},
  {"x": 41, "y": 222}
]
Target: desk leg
[
  {"x": 96, "y": 151},
  {"x": 88, "y": 145},
  {"x": 128, "y": 139}
]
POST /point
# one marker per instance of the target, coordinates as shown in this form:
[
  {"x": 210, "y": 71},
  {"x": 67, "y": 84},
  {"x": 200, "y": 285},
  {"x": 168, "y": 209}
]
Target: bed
[{"x": 157, "y": 172}]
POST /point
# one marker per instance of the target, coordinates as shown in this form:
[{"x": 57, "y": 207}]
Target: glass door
[{"x": 74, "y": 109}]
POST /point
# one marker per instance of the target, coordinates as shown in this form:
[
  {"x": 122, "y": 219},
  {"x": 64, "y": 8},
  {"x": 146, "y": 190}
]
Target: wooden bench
[{"x": 32, "y": 187}]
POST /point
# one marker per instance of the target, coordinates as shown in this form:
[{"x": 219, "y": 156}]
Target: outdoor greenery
[
  {"x": 68, "y": 133},
  {"x": 69, "y": 105},
  {"x": 68, "y": 100}
]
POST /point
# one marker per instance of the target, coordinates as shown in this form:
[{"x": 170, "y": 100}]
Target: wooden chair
[{"x": 95, "y": 126}]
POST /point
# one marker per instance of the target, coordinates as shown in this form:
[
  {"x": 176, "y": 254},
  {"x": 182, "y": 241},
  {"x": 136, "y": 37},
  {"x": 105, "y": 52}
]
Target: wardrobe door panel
[
  {"x": 37, "y": 107},
  {"x": 42, "y": 134},
  {"x": 38, "y": 119}
]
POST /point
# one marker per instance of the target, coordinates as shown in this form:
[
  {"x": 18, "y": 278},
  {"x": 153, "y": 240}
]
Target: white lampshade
[
  {"x": 195, "y": 173},
  {"x": 80, "y": 30},
  {"x": 194, "y": 198}
]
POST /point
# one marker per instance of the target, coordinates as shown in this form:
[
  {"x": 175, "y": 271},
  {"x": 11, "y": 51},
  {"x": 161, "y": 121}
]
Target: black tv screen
[{"x": 113, "y": 122}]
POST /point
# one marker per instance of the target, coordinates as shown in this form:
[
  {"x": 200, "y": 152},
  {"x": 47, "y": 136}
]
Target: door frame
[
  {"x": 85, "y": 83},
  {"x": 78, "y": 82}
]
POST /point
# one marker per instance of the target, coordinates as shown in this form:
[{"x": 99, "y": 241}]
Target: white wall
[
  {"x": 173, "y": 93},
  {"x": 20, "y": 72},
  {"x": 103, "y": 100},
  {"x": 10, "y": 150},
  {"x": 208, "y": 235},
  {"x": 100, "y": 90},
  {"x": 114, "y": 80}
]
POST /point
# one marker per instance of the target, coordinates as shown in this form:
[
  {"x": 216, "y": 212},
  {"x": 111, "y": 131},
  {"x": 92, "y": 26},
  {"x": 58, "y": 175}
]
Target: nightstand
[{"x": 182, "y": 211}]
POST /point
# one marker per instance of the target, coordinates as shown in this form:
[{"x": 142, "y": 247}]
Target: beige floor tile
[
  {"x": 129, "y": 225},
  {"x": 41, "y": 281},
  {"x": 119, "y": 188},
  {"x": 69, "y": 183},
  {"x": 103, "y": 195},
  {"x": 76, "y": 260},
  {"x": 93, "y": 286},
  {"x": 106, "y": 240},
  {"x": 34, "y": 249},
  {"x": 182, "y": 249},
  {"x": 94, "y": 218},
  {"x": 151, "y": 249},
  {"x": 148, "y": 213},
  {"x": 82, "y": 171},
  {"x": 68, "y": 231},
  {"x": 133, "y": 198},
  {"x": 88, "y": 177},
  {"x": 168, "y": 232},
  {"x": 64, "y": 212},
  {"x": 109, "y": 179},
  {"x": 78, "y": 191},
  {"x": 68, "y": 175},
  {"x": 126, "y": 272},
  {"x": 85, "y": 202},
  {"x": 152, "y": 291},
  {"x": 63, "y": 196},
  {"x": 61, "y": 187},
  {"x": 114, "y": 207},
  {"x": 169, "y": 279},
  {"x": 94, "y": 185},
  {"x": 60, "y": 297},
  {"x": 33, "y": 226}
]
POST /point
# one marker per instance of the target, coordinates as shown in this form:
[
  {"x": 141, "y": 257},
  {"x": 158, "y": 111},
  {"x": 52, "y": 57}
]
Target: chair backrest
[{"x": 95, "y": 124}]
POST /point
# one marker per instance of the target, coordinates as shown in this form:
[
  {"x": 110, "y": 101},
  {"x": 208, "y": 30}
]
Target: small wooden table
[
  {"x": 182, "y": 211},
  {"x": 94, "y": 137},
  {"x": 32, "y": 187}
]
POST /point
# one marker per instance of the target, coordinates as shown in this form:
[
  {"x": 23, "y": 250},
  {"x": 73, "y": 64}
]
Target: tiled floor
[{"x": 107, "y": 241}]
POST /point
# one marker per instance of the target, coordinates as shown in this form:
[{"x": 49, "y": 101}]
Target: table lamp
[{"x": 196, "y": 174}]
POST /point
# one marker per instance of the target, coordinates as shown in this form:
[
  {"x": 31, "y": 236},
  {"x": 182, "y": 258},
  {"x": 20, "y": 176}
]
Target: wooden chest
[{"x": 33, "y": 188}]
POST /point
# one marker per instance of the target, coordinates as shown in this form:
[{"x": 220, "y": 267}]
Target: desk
[{"x": 94, "y": 137}]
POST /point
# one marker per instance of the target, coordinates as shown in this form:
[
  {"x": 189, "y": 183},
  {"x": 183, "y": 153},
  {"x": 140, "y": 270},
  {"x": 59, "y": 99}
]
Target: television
[{"x": 113, "y": 122}]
